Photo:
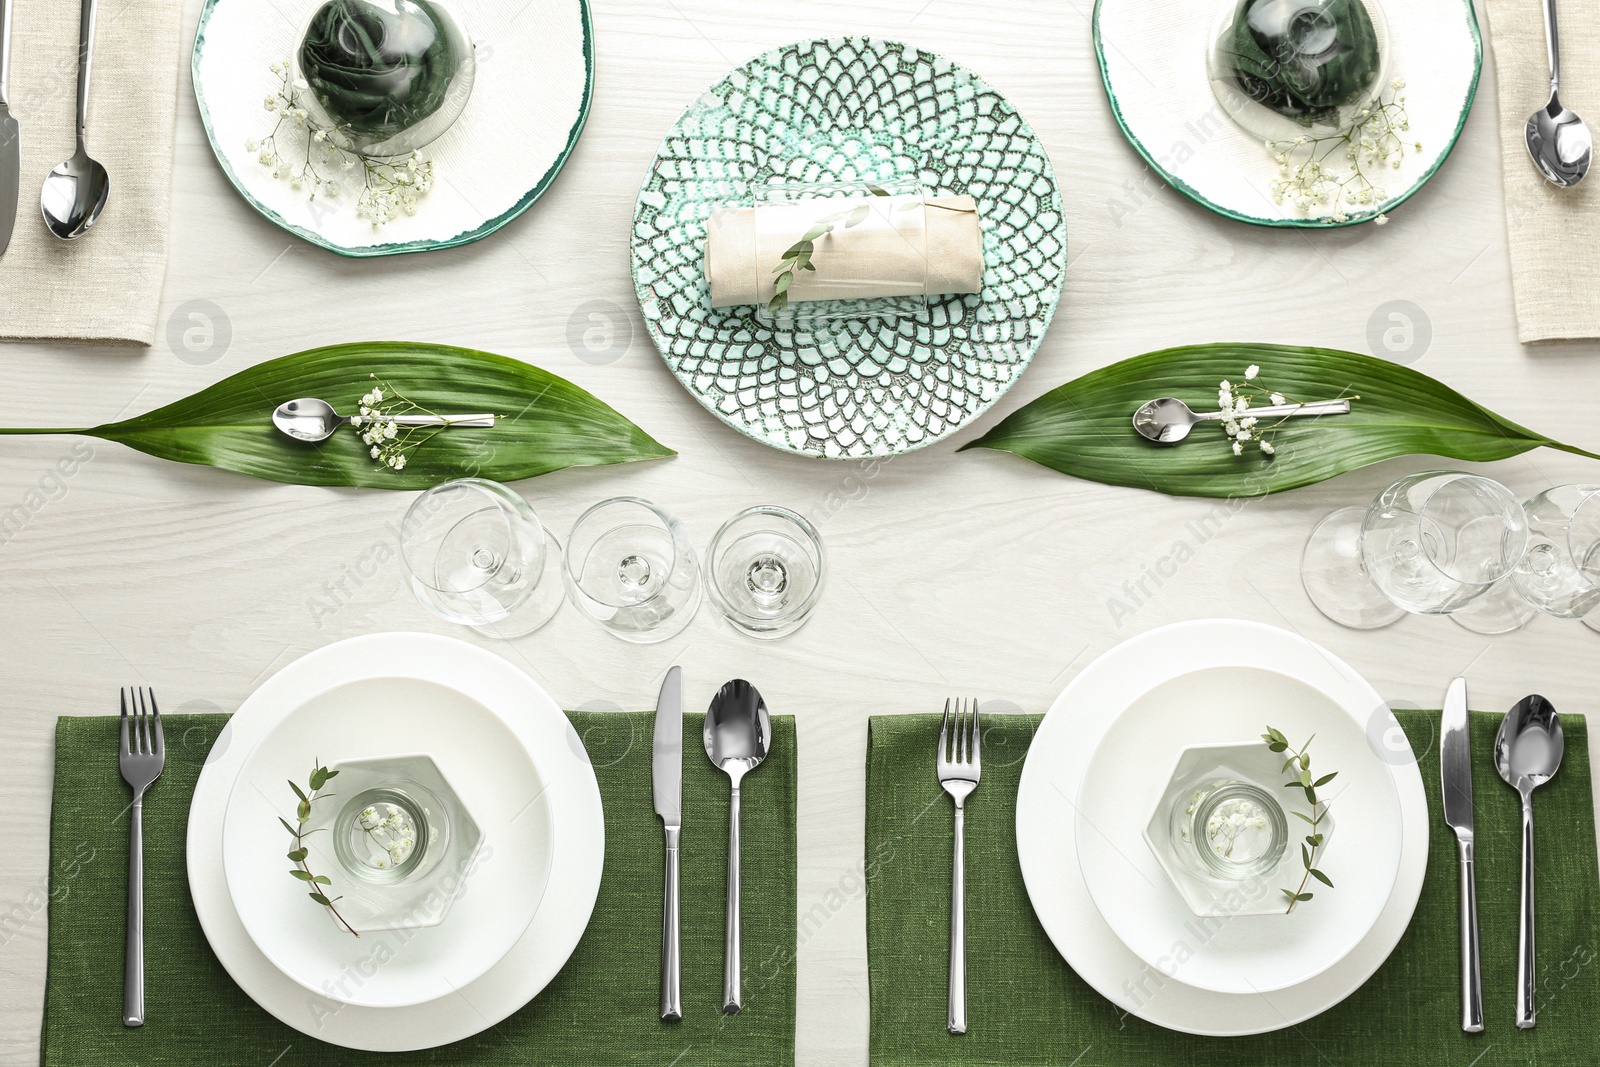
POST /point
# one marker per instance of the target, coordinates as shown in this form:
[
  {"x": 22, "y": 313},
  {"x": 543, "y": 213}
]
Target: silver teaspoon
[
  {"x": 737, "y": 733},
  {"x": 1527, "y": 753},
  {"x": 1559, "y": 143},
  {"x": 75, "y": 192},
  {"x": 1168, "y": 420},
  {"x": 310, "y": 419}
]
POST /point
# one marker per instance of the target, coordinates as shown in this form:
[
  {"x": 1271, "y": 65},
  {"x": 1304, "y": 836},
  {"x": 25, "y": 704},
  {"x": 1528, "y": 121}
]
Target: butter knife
[
  {"x": 666, "y": 778},
  {"x": 10, "y": 144},
  {"x": 1455, "y": 769}
]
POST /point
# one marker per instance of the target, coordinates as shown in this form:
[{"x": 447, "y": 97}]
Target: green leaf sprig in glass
[
  {"x": 318, "y": 885},
  {"x": 1298, "y": 768}
]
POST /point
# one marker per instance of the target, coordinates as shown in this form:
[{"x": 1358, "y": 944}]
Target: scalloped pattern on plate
[{"x": 840, "y": 110}]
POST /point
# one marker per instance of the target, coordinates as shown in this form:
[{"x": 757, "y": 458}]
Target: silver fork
[
  {"x": 959, "y": 766},
  {"x": 140, "y": 757}
]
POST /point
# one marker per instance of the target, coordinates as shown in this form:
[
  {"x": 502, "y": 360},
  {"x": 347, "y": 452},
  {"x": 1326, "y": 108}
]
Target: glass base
[
  {"x": 1331, "y": 572},
  {"x": 1592, "y": 621},
  {"x": 544, "y": 600},
  {"x": 1499, "y": 611}
]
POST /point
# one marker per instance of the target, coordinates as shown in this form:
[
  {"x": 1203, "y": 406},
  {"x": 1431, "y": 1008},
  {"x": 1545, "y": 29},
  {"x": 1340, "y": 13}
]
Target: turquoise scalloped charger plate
[
  {"x": 1153, "y": 63},
  {"x": 849, "y": 110},
  {"x": 530, "y": 97}
]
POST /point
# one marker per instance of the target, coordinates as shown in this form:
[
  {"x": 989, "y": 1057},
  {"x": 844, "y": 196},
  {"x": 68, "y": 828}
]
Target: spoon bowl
[
  {"x": 74, "y": 195},
  {"x": 308, "y": 419},
  {"x": 738, "y": 732},
  {"x": 1527, "y": 753},
  {"x": 1559, "y": 143}
]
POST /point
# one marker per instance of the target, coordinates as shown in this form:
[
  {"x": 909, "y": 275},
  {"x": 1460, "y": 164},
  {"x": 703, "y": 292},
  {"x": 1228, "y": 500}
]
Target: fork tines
[
  {"x": 962, "y": 747},
  {"x": 145, "y": 736}
]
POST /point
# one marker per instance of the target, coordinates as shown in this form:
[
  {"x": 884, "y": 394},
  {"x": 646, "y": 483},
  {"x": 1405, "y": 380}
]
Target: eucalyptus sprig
[
  {"x": 1298, "y": 767},
  {"x": 299, "y": 854},
  {"x": 798, "y": 257}
]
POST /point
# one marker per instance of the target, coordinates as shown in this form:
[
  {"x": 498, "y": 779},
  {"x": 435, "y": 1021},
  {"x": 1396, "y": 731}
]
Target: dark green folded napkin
[
  {"x": 1026, "y": 1006},
  {"x": 602, "y": 1008}
]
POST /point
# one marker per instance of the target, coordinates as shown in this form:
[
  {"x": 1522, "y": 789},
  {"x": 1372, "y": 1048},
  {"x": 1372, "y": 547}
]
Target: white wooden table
[{"x": 976, "y": 574}]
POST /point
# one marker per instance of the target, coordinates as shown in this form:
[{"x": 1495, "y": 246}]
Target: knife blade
[
  {"x": 666, "y": 779},
  {"x": 10, "y": 137},
  {"x": 1455, "y": 773}
]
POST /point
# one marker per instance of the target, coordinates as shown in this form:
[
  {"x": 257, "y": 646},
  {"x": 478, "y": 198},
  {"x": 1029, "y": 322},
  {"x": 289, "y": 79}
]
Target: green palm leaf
[
  {"x": 1085, "y": 428},
  {"x": 548, "y": 423}
]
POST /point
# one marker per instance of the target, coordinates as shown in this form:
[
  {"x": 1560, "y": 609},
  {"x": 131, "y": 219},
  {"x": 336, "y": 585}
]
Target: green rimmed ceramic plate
[
  {"x": 530, "y": 97},
  {"x": 851, "y": 109},
  {"x": 1153, "y": 63}
]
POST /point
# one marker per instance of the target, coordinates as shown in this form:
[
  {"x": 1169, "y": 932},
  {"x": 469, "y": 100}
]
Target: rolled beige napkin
[
  {"x": 1552, "y": 232},
  {"x": 874, "y": 246}
]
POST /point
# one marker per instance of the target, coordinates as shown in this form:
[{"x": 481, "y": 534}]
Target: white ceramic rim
[
  {"x": 1357, "y": 908},
  {"x": 503, "y": 896},
  {"x": 1047, "y": 853},
  {"x": 544, "y": 947}
]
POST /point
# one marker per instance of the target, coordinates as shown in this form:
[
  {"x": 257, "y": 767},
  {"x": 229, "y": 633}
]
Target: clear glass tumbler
[
  {"x": 1560, "y": 573},
  {"x": 631, "y": 568},
  {"x": 478, "y": 555},
  {"x": 765, "y": 570}
]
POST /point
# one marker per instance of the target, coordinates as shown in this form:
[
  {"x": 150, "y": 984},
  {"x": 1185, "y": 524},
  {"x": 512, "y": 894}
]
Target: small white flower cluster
[
  {"x": 379, "y": 432},
  {"x": 1240, "y": 426},
  {"x": 391, "y": 830},
  {"x": 1318, "y": 187},
  {"x": 389, "y": 187},
  {"x": 1231, "y": 820}
]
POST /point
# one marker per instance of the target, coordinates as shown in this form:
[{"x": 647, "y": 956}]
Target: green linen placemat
[
  {"x": 602, "y": 1008},
  {"x": 1026, "y": 1006}
]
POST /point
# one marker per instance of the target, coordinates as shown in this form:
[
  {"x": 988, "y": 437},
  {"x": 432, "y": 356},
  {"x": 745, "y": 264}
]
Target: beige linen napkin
[
  {"x": 1553, "y": 233},
  {"x": 904, "y": 247},
  {"x": 104, "y": 287}
]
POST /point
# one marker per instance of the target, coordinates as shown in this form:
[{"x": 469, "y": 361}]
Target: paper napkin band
[{"x": 874, "y": 246}]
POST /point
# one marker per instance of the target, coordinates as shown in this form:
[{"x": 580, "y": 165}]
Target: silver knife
[
  {"x": 1455, "y": 770},
  {"x": 666, "y": 776},
  {"x": 10, "y": 145}
]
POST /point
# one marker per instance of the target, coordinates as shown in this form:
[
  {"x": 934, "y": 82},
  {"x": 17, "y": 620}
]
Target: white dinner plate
[
  {"x": 1129, "y": 770},
  {"x": 1153, "y": 63},
  {"x": 540, "y": 729},
  {"x": 463, "y": 728},
  {"x": 1047, "y": 833}
]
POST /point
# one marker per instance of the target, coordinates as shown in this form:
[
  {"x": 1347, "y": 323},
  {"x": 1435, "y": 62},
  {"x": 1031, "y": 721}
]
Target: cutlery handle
[
  {"x": 133, "y": 968},
  {"x": 85, "y": 56},
  {"x": 1527, "y": 977},
  {"x": 956, "y": 1023},
  {"x": 441, "y": 420},
  {"x": 671, "y": 995},
  {"x": 1471, "y": 973},
  {"x": 1318, "y": 407},
  {"x": 1552, "y": 42},
  {"x": 732, "y": 987}
]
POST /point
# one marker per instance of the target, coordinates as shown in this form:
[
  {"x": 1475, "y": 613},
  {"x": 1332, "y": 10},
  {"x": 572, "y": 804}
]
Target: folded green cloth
[
  {"x": 602, "y": 1008},
  {"x": 1026, "y": 1006}
]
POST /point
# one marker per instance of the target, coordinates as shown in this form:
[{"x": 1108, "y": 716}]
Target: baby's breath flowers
[
  {"x": 1339, "y": 177},
  {"x": 391, "y": 830},
  {"x": 316, "y": 884},
  {"x": 388, "y": 442},
  {"x": 1236, "y": 400},
  {"x": 306, "y": 154}
]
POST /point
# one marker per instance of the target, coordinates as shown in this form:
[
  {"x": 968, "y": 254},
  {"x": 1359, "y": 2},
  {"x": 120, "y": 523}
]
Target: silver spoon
[
  {"x": 1527, "y": 753},
  {"x": 1168, "y": 420},
  {"x": 75, "y": 192},
  {"x": 737, "y": 734},
  {"x": 1558, "y": 141},
  {"x": 310, "y": 419}
]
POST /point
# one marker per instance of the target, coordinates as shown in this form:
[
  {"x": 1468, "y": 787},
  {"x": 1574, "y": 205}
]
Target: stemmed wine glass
[
  {"x": 478, "y": 555},
  {"x": 765, "y": 570},
  {"x": 1432, "y": 543},
  {"x": 1560, "y": 573},
  {"x": 631, "y": 568}
]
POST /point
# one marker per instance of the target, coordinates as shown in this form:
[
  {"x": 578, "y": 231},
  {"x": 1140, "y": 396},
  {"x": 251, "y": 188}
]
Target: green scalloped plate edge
[
  {"x": 366, "y": 251},
  {"x": 1297, "y": 224},
  {"x": 743, "y": 428}
]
